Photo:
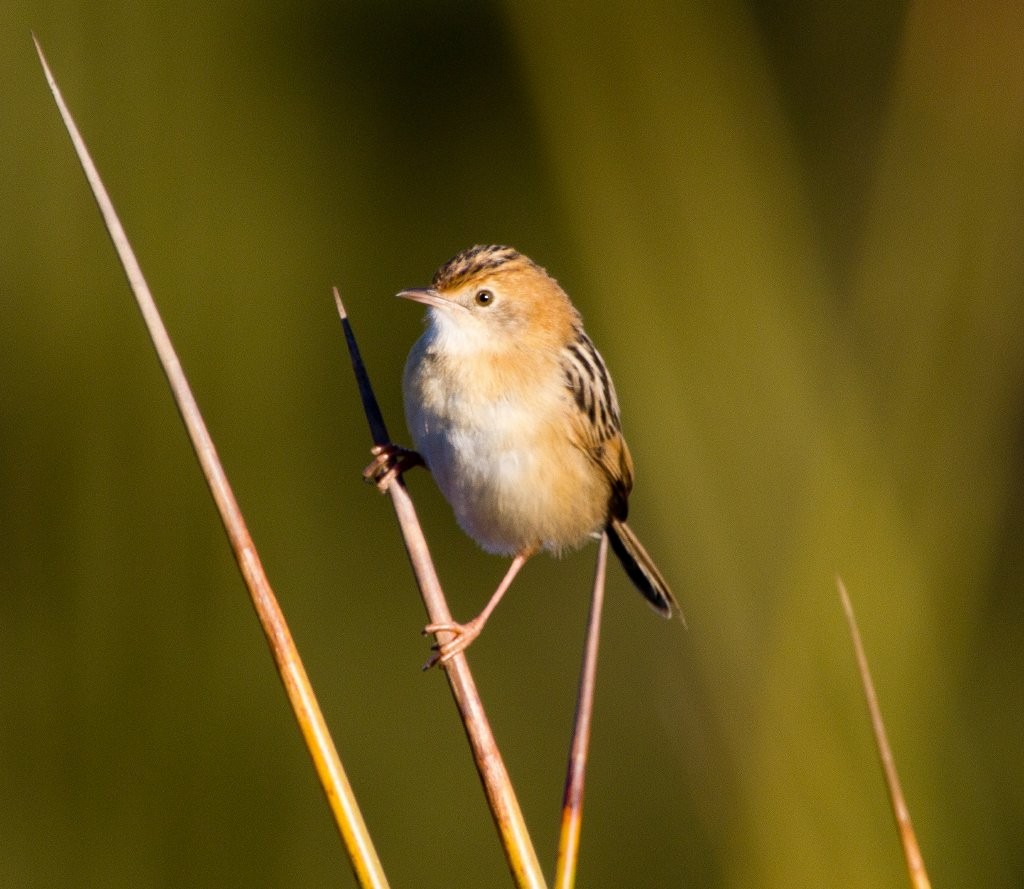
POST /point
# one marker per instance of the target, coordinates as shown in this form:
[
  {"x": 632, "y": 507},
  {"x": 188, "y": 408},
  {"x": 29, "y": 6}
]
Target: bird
[{"x": 512, "y": 410}]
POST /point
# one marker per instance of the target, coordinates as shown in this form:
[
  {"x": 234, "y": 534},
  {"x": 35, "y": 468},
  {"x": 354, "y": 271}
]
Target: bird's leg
[
  {"x": 389, "y": 462},
  {"x": 467, "y": 632}
]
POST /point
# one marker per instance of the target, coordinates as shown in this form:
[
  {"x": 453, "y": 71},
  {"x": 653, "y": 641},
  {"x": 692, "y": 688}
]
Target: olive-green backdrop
[{"x": 796, "y": 232}]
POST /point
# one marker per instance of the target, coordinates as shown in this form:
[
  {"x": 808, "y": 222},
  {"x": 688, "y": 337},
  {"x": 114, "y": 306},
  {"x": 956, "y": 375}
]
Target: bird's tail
[{"x": 641, "y": 568}]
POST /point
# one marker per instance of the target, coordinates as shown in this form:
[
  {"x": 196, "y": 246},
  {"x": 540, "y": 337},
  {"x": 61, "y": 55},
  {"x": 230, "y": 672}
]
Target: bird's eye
[{"x": 484, "y": 297}]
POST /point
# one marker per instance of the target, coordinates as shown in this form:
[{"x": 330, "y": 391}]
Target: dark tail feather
[{"x": 641, "y": 568}]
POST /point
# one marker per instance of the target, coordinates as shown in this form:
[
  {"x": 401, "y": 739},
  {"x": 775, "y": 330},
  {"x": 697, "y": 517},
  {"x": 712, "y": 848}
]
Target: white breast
[{"x": 498, "y": 453}]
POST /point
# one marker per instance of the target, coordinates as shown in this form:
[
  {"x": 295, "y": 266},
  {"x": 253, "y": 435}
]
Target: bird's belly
[{"x": 512, "y": 479}]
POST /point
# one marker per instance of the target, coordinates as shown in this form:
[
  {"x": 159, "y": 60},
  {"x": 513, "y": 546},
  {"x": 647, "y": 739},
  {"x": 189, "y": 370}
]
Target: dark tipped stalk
[{"x": 501, "y": 798}]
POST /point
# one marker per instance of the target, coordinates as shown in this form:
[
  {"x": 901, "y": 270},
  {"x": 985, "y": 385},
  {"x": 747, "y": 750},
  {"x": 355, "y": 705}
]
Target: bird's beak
[{"x": 428, "y": 296}]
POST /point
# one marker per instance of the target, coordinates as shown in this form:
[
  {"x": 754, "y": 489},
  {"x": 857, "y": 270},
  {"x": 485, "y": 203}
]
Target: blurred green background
[{"x": 795, "y": 231}]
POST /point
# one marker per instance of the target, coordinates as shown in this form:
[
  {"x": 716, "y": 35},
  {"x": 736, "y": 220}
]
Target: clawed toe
[
  {"x": 462, "y": 636},
  {"x": 390, "y": 461}
]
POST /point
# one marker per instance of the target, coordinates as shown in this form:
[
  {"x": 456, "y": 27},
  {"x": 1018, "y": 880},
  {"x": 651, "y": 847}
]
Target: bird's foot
[
  {"x": 389, "y": 462},
  {"x": 463, "y": 636}
]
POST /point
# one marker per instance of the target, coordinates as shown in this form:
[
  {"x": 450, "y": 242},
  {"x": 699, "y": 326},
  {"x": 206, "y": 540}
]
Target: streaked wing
[{"x": 596, "y": 426}]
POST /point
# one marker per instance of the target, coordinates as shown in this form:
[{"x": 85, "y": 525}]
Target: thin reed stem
[
  {"x": 908, "y": 838},
  {"x": 576, "y": 770},
  {"x": 501, "y": 798},
  {"x": 340, "y": 798}
]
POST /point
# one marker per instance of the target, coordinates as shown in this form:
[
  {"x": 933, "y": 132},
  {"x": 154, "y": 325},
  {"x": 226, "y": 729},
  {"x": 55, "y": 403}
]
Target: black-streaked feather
[
  {"x": 640, "y": 568},
  {"x": 473, "y": 261}
]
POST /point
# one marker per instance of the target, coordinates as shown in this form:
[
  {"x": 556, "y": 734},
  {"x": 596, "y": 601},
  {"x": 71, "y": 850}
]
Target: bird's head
[{"x": 494, "y": 299}]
